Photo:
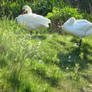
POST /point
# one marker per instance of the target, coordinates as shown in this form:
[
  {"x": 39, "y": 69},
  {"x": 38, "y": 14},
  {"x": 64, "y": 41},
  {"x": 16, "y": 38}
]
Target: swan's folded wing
[
  {"x": 19, "y": 19},
  {"x": 37, "y": 19},
  {"x": 33, "y": 21},
  {"x": 83, "y": 25},
  {"x": 41, "y": 18}
]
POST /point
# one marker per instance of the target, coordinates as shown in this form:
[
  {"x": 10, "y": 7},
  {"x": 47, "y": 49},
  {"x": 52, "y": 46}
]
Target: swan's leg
[
  {"x": 36, "y": 31},
  {"x": 31, "y": 32},
  {"x": 80, "y": 42}
]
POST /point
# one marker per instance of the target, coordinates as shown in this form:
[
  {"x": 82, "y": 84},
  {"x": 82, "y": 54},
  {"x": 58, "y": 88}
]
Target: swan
[
  {"x": 79, "y": 28},
  {"x": 31, "y": 21}
]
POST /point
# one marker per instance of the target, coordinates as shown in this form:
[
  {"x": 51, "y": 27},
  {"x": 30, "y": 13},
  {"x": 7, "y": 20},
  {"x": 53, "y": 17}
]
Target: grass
[{"x": 49, "y": 62}]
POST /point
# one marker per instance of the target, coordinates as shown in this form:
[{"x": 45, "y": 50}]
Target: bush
[
  {"x": 59, "y": 16},
  {"x": 87, "y": 16},
  {"x": 12, "y": 8}
]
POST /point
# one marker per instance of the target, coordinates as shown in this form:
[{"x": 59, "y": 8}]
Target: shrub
[
  {"x": 12, "y": 8},
  {"x": 59, "y": 16},
  {"x": 87, "y": 16}
]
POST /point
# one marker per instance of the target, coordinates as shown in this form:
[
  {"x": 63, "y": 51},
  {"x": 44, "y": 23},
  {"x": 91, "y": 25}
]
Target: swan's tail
[
  {"x": 89, "y": 32},
  {"x": 46, "y": 22}
]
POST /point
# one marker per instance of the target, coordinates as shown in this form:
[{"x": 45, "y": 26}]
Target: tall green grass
[{"x": 48, "y": 62}]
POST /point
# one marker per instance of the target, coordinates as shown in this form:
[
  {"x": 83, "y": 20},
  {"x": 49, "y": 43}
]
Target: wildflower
[
  {"x": 40, "y": 60},
  {"x": 44, "y": 89},
  {"x": 39, "y": 43},
  {"x": 67, "y": 68},
  {"x": 50, "y": 36},
  {"x": 69, "y": 60},
  {"x": 69, "y": 57}
]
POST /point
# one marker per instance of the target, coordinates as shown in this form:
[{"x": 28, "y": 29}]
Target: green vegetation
[
  {"x": 12, "y": 8},
  {"x": 48, "y": 62},
  {"x": 59, "y": 15}
]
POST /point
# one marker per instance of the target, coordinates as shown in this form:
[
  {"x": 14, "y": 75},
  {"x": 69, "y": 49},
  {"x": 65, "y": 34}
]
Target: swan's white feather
[
  {"x": 80, "y": 28},
  {"x": 33, "y": 21}
]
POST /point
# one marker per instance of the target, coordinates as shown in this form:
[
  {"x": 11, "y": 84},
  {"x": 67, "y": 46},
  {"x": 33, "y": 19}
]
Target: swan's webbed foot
[{"x": 79, "y": 43}]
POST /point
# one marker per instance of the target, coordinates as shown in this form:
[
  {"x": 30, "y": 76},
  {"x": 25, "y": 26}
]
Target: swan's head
[
  {"x": 26, "y": 9},
  {"x": 69, "y": 22}
]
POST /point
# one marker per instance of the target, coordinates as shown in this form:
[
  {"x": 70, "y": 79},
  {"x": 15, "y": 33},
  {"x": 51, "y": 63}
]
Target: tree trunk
[{"x": 90, "y": 7}]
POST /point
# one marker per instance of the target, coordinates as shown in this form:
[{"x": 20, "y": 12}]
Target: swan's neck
[{"x": 29, "y": 11}]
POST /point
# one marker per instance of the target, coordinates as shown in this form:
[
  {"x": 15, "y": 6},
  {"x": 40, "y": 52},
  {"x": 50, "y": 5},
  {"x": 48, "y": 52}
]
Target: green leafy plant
[{"x": 60, "y": 15}]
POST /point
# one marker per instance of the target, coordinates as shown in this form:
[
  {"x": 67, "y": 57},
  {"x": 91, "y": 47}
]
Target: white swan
[
  {"x": 32, "y": 21},
  {"x": 79, "y": 28}
]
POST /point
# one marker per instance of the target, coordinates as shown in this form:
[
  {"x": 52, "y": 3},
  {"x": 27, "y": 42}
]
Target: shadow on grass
[
  {"x": 41, "y": 37},
  {"x": 49, "y": 79},
  {"x": 81, "y": 56},
  {"x": 62, "y": 43},
  {"x": 74, "y": 56},
  {"x": 75, "y": 39}
]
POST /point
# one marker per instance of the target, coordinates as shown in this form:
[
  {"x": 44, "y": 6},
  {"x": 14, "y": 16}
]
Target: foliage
[
  {"x": 82, "y": 5},
  {"x": 87, "y": 16},
  {"x": 12, "y": 8},
  {"x": 59, "y": 15}
]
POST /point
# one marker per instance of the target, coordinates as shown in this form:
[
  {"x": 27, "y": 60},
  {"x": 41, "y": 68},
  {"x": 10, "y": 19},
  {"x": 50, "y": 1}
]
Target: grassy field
[{"x": 49, "y": 62}]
